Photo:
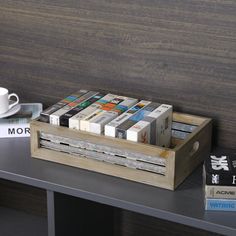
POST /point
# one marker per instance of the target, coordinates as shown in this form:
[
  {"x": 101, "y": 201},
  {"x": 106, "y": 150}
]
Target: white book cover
[{"x": 18, "y": 124}]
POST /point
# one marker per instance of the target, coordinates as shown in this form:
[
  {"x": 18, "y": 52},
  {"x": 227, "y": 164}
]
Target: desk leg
[{"x": 51, "y": 213}]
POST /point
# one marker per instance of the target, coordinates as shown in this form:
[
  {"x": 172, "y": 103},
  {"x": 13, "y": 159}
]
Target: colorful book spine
[
  {"x": 79, "y": 121},
  {"x": 122, "y": 128},
  {"x": 55, "y": 117},
  {"x": 45, "y": 115},
  {"x": 74, "y": 122},
  {"x": 111, "y": 127},
  {"x": 220, "y": 170},
  {"x": 97, "y": 124},
  {"x": 155, "y": 128},
  {"x": 222, "y": 192},
  {"x": 220, "y": 204},
  {"x": 64, "y": 119},
  {"x": 86, "y": 125}
]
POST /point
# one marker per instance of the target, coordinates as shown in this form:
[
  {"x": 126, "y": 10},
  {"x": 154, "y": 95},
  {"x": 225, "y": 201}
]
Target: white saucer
[{"x": 11, "y": 112}]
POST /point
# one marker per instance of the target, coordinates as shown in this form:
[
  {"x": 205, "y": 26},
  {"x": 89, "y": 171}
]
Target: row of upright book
[
  {"x": 219, "y": 176},
  {"x": 113, "y": 115}
]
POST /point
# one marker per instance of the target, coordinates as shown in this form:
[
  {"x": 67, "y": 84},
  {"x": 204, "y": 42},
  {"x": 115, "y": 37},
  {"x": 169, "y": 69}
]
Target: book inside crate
[{"x": 144, "y": 163}]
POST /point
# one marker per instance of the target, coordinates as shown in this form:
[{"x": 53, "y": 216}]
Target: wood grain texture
[
  {"x": 23, "y": 197},
  {"x": 134, "y": 224},
  {"x": 178, "y": 52}
]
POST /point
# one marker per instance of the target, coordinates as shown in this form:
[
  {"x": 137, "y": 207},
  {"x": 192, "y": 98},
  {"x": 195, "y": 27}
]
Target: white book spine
[
  {"x": 222, "y": 192},
  {"x": 85, "y": 123},
  {"x": 139, "y": 132},
  {"x": 98, "y": 123},
  {"x": 80, "y": 120},
  {"x": 74, "y": 122},
  {"x": 155, "y": 128},
  {"x": 14, "y": 130},
  {"x": 110, "y": 128},
  {"x": 55, "y": 117},
  {"x": 163, "y": 125}
]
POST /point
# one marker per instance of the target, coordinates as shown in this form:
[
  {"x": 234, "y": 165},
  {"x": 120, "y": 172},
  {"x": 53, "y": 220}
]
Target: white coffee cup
[{"x": 5, "y": 99}]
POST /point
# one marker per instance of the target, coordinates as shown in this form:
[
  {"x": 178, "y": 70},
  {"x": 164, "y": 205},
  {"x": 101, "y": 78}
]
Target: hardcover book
[{"x": 220, "y": 170}]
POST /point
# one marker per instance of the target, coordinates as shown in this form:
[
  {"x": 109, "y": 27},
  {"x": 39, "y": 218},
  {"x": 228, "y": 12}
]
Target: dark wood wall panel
[{"x": 179, "y": 52}]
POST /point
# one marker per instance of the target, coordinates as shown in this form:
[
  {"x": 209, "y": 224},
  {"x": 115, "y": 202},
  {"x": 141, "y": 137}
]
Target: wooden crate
[{"x": 164, "y": 167}]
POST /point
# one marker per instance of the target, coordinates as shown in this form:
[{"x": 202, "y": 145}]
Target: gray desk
[{"x": 184, "y": 206}]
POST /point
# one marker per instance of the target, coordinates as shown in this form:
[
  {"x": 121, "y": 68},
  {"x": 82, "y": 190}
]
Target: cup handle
[{"x": 16, "y": 102}]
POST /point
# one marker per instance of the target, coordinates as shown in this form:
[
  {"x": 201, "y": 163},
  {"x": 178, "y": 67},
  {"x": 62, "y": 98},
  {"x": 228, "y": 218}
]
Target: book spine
[
  {"x": 217, "y": 179},
  {"x": 145, "y": 131},
  {"x": 183, "y": 127},
  {"x": 98, "y": 123},
  {"x": 45, "y": 115},
  {"x": 55, "y": 117},
  {"x": 220, "y": 204},
  {"x": 74, "y": 122},
  {"x": 14, "y": 130},
  {"x": 140, "y": 132},
  {"x": 163, "y": 125},
  {"x": 110, "y": 128},
  {"x": 222, "y": 192},
  {"x": 179, "y": 134},
  {"x": 122, "y": 129},
  {"x": 104, "y": 109},
  {"x": 64, "y": 119},
  {"x": 220, "y": 170},
  {"x": 84, "y": 123}
]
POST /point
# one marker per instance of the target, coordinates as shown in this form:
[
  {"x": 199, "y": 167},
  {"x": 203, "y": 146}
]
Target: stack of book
[
  {"x": 219, "y": 176},
  {"x": 113, "y": 115}
]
